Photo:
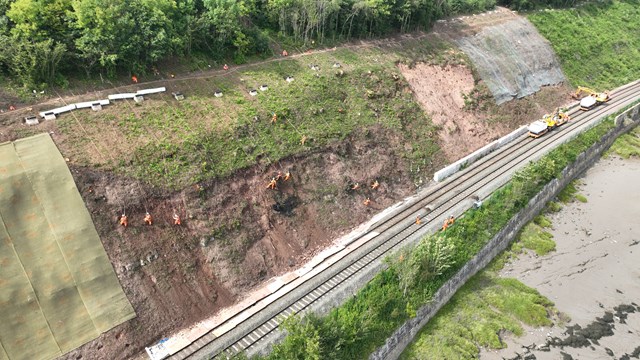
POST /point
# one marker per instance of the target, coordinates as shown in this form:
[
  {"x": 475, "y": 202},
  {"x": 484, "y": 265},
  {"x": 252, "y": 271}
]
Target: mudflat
[{"x": 594, "y": 275}]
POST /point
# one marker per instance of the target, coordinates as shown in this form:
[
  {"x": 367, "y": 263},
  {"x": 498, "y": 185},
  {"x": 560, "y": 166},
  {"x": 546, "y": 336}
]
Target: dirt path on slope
[
  {"x": 53, "y": 98},
  {"x": 594, "y": 269}
]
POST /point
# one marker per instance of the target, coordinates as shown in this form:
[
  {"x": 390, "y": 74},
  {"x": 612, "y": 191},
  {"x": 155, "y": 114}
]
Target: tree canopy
[{"x": 44, "y": 40}]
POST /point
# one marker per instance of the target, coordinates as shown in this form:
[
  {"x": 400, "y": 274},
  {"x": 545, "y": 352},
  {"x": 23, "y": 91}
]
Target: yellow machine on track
[
  {"x": 592, "y": 99},
  {"x": 548, "y": 122}
]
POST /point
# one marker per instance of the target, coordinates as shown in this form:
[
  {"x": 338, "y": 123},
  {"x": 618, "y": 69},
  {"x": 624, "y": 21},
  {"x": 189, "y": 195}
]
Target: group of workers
[
  {"x": 148, "y": 219},
  {"x": 356, "y": 186},
  {"x": 273, "y": 183}
]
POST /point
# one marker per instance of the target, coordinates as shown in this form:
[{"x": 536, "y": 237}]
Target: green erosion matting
[{"x": 58, "y": 289}]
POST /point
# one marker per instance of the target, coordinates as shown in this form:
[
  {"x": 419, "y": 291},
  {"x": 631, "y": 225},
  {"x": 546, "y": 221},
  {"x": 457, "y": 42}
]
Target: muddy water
[{"x": 595, "y": 268}]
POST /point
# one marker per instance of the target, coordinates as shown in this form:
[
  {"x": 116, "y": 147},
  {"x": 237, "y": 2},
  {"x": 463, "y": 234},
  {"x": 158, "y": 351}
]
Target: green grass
[
  {"x": 598, "y": 43},
  {"x": 542, "y": 221},
  {"x": 570, "y": 193},
  {"x": 175, "y": 144},
  {"x": 534, "y": 237},
  {"x": 627, "y": 145},
  {"x": 484, "y": 307},
  {"x": 581, "y": 198},
  {"x": 553, "y": 206}
]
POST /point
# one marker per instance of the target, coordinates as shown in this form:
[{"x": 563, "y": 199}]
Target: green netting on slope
[{"x": 57, "y": 287}]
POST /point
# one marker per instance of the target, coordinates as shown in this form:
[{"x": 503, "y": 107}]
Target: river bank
[{"x": 594, "y": 270}]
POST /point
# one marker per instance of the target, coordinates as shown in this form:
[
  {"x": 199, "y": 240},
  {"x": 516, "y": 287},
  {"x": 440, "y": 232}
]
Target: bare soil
[
  {"x": 173, "y": 281},
  {"x": 463, "y": 108}
]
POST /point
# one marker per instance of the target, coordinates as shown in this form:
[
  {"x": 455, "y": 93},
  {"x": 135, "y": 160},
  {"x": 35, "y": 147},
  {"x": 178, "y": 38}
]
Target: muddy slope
[{"x": 235, "y": 234}]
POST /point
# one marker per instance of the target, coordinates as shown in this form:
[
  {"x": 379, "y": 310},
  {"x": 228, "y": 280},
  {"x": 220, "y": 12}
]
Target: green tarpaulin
[{"x": 58, "y": 289}]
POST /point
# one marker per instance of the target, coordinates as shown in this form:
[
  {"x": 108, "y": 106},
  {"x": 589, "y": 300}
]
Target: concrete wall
[
  {"x": 397, "y": 342},
  {"x": 478, "y": 154}
]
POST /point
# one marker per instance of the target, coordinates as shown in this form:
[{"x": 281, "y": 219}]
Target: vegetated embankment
[{"x": 598, "y": 43}]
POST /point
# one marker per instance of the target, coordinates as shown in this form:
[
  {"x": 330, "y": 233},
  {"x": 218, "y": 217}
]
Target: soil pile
[{"x": 513, "y": 59}]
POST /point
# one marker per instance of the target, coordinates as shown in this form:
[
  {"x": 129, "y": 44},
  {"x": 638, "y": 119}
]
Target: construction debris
[
  {"x": 264, "y": 88},
  {"x": 178, "y": 96},
  {"x": 253, "y": 92},
  {"x": 289, "y": 79},
  {"x": 217, "y": 93}
]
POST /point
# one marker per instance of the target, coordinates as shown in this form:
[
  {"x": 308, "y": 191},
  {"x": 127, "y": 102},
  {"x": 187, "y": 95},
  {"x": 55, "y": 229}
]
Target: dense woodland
[{"x": 43, "y": 41}]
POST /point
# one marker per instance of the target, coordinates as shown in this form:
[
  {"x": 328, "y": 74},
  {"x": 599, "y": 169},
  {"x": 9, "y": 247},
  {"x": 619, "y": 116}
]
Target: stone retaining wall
[{"x": 399, "y": 340}]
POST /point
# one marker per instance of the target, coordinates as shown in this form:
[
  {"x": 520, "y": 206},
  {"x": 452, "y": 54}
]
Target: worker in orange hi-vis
[
  {"x": 445, "y": 225},
  {"x": 176, "y": 219},
  {"x": 287, "y": 176},
  {"x": 147, "y": 219},
  {"x": 375, "y": 185},
  {"x": 134, "y": 79},
  {"x": 448, "y": 223},
  {"x": 366, "y": 202},
  {"x": 355, "y": 186},
  {"x": 285, "y": 53},
  {"x": 225, "y": 67},
  {"x": 274, "y": 118},
  {"x": 418, "y": 222},
  {"x": 123, "y": 220},
  {"x": 272, "y": 184}
]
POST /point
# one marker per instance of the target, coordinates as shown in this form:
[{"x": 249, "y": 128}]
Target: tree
[
  {"x": 126, "y": 34},
  {"x": 36, "y": 64},
  {"x": 225, "y": 20}
]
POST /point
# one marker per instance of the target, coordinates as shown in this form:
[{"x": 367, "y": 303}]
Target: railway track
[{"x": 243, "y": 332}]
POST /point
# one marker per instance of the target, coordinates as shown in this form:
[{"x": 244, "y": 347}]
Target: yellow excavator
[
  {"x": 548, "y": 122},
  {"x": 592, "y": 99}
]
